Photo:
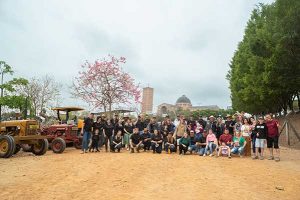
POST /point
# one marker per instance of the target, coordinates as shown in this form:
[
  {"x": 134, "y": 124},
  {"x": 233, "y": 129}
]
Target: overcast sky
[{"x": 177, "y": 47}]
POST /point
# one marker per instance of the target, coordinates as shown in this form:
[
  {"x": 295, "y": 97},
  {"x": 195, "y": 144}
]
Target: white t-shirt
[{"x": 245, "y": 130}]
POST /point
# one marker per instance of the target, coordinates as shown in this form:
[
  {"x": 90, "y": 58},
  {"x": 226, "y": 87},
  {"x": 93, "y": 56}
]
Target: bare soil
[{"x": 72, "y": 175}]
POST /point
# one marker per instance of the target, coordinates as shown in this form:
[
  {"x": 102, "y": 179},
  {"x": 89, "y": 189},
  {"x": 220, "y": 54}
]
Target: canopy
[{"x": 68, "y": 109}]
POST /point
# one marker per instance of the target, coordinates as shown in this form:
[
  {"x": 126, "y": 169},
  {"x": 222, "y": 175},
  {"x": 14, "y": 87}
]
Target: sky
[{"x": 176, "y": 47}]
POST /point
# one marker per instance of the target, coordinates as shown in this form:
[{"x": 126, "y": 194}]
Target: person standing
[
  {"x": 220, "y": 127},
  {"x": 246, "y": 133},
  {"x": 261, "y": 131},
  {"x": 128, "y": 129},
  {"x": 140, "y": 124},
  {"x": 86, "y": 131},
  {"x": 179, "y": 131},
  {"x": 229, "y": 124},
  {"x": 272, "y": 138},
  {"x": 108, "y": 133}
]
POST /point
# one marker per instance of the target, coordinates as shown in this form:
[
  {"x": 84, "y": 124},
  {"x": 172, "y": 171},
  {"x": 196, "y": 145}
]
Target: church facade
[{"x": 183, "y": 103}]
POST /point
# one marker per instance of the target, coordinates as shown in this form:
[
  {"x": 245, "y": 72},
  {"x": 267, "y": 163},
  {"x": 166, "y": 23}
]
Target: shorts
[
  {"x": 272, "y": 142},
  {"x": 260, "y": 143}
]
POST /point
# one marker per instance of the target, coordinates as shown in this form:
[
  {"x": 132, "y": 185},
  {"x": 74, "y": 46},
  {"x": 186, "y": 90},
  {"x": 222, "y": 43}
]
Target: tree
[
  {"x": 41, "y": 93},
  {"x": 9, "y": 96},
  {"x": 104, "y": 84},
  {"x": 264, "y": 72}
]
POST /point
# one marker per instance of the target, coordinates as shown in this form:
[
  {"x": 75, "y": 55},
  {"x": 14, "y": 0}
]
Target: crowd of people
[{"x": 214, "y": 136}]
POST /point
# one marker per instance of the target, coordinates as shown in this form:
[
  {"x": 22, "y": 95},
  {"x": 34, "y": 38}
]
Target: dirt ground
[{"x": 72, "y": 175}]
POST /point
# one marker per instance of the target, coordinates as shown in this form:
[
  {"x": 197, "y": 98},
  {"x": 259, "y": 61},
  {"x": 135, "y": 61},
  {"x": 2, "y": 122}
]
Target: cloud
[{"x": 174, "y": 46}]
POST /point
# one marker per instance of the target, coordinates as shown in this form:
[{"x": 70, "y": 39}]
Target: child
[
  {"x": 95, "y": 141},
  {"x": 211, "y": 143},
  {"x": 239, "y": 144},
  {"x": 170, "y": 143},
  {"x": 224, "y": 149},
  {"x": 117, "y": 142}
]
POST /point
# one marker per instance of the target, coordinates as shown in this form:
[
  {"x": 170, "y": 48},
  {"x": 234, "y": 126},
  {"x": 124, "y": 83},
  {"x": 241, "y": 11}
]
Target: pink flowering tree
[{"x": 104, "y": 84}]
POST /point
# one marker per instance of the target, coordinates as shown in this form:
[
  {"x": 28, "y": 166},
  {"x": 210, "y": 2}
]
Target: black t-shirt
[
  {"x": 228, "y": 124},
  {"x": 261, "y": 130},
  {"x": 129, "y": 128},
  {"x": 117, "y": 139},
  {"x": 95, "y": 137},
  {"x": 109, "y": 130},
  {"x": 146, "y": 136},
  {"x": 136, "y": 138},
  {"x": 88, "y": 124},
  {"x": 202, "y": 140},
  {"x": 157, "y": 137},
  {"x": 140, "y": 125}
]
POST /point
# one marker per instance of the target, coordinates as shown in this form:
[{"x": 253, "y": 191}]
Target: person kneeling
[
  {"x": 170, "y": 143},
  {"x": 117, "y": 142},
  {"x": 184, "y": 143},
  {"x": 239, "y": 144},
  {"x": 156, "y": 142},
  {"x": 136, "y": 142},
  {"x": 211, "y": 143},
  {"x": 146, "y": 137},
  {"x": 224, "y": 149}
]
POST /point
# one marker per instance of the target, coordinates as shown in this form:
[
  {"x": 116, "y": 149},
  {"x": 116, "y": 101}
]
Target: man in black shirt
[
  {"x": 229, "y": 124},
  {"x": 136, "y": 141},
  {"x": 261, "y": 130},
  {"x": 86, "y": 132},
  {"x": 140, "y": 124},
  {"x": 146, "y": 137}
]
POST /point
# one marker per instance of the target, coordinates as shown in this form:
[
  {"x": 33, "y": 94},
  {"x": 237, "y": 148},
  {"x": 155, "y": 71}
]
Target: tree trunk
[
  {"x": 298, "y": 97},
  {"x": 109, "y": 113}
]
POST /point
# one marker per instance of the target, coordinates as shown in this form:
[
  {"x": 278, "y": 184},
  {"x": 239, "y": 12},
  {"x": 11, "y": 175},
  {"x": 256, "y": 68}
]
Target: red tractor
[{"x": 67, "y": 132}]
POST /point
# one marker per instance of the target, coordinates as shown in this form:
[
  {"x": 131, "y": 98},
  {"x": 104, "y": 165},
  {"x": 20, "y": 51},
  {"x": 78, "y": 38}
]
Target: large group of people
[{"x": 212, "y": 136}]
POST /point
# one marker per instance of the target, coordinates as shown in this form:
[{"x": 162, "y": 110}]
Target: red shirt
[
  {"x": 225, "y": 138},
  {"x": 272, "y": 128}
]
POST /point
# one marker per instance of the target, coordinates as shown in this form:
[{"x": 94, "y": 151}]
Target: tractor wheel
[
  {"x": 7, "y": 146},
  {"x": 17, "y": 149},
  {"x": 26, "y": 147},
  {"x": 58, "y": 145},
  {"x": 78, "y": 145},
  {"x": 40, "y": 148}
]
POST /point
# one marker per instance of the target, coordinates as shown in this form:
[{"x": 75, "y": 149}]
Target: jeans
[
  {"x": 238, "y": 150},
  {"x": 201, "y": 151},
  {"x": 211, "y": 146},
  {"x": 183, "y": 149},
  {"x": 147, "y": 145},
  {"x": 171, "y": 147},
  {"x": 156, "y": 148},
  {"x": 85, "y": 140},
  {"x": 116, "y": 147},
  {"x": 192, "y": 148},
  {"x": 126, "y": 138}
]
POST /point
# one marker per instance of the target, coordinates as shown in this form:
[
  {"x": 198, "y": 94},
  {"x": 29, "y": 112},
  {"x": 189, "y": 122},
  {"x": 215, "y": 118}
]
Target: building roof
[{"x": 183, "y": 99}]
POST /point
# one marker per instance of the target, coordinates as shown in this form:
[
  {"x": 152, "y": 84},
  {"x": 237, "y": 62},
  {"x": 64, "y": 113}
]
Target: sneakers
[
  {"x": 277, "y": 159},
  {"x": 229, "y": 157},
  {"x": 204, "y": 155},
  {"x": 261, "y": 158},
  {"x": 211, "y": 155},
  {"x": 255, "y": 157},
  {"x": 271, "y": 158}
]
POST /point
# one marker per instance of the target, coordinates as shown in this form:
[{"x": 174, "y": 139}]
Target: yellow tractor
[{"x": 16, "y": 133}]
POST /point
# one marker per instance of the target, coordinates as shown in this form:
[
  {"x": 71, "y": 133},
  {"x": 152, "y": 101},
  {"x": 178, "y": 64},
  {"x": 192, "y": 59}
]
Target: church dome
[{"x": 183, "y": 100}]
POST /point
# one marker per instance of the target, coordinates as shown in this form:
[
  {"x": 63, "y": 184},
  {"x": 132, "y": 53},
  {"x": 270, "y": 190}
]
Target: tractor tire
[
  {"x": 7, "y": 146},
  {"x": 58, "y": 145},
  {"x": 26, "y": 147},
  {"x": 78, "y": 145},
  {"x": 17, "y": 149},
  {"x": 40, "y": 148}
]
